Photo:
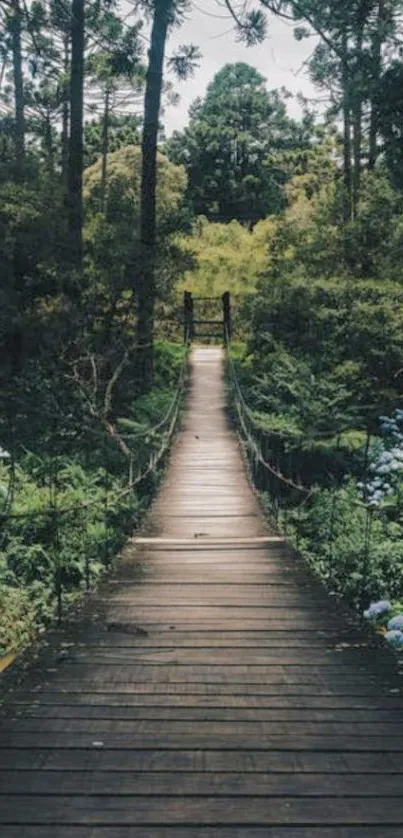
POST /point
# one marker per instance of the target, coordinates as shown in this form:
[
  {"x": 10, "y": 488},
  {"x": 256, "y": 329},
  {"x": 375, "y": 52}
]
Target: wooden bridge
[{"x": 212, "y": 689}]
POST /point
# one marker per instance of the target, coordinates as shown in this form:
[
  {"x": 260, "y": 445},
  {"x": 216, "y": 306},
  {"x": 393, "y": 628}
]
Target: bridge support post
[
  {"x": 188, "y": 320},
  {"x": 226, "y": 306}
]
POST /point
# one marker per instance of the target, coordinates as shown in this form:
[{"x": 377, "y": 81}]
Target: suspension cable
[
  {"x": 153, "y": 461},
  {"x": 243, "y": 411}
]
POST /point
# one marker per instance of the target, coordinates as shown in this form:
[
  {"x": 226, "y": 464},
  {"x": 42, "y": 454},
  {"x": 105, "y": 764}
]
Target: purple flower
[{"x": 377, "y": 608}]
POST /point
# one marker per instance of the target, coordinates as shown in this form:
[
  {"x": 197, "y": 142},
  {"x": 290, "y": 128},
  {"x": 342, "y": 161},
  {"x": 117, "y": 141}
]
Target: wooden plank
[
  {"x": 125, "y": 636},
  {"x": 188, "y": 713},
  {"x": 183, "y": 783},
  {"x": 214, "y": 656},
  {"x": 231, "y": 741},
  {"x": 77, "y": 831},
  {"x": 55, "y": 831},
  {"x": 213, "y": 619},
  {"x": 208, "y": 541},
  {"x": 220, "y": 674},
  {"x": 195, "y": 811},
  {"x": 226, "y": 700},
  {"x": 363, "y": 690},
  {"x": 207, "y": 761},
  {"x": 204, "y": 728}
]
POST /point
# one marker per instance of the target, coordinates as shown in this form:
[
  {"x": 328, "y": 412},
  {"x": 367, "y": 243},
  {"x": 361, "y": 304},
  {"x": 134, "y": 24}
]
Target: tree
[
  {"x": 12, "y": 15},
  {"x": 390, "y": 120},
  {"x": 163, "y": 10},
  {"x": 356, "y": 37},
  {"x": 75, "y": 170},
  {"x": 110, "y": 70},
  {"x": 165, "y": 13},
  {"x": 227, "y": 145},
  {"x": 15, "y": 26},
  {"x": 112, "y": 236},
  {"x": 123, "y": 130}
]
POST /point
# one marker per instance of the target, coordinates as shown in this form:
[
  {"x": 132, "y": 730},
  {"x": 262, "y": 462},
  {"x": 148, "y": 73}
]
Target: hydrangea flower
[
  {"x": 377, "y": 608},
  {"x": 396, "y": 623},
  {"x": 395, "y": 637},
  {"x": 386, "y": 467}
]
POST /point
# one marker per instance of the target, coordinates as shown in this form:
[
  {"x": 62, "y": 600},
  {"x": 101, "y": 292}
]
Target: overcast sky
[{"x": 280, "y": 59}]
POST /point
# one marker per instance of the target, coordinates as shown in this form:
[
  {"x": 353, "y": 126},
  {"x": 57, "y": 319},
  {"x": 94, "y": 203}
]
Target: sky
[{"x": 280, "y": 59}]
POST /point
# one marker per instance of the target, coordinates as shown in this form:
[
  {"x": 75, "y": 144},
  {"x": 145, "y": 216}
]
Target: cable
[
  {"x": 154, "y": 460},
  {"x": 242, "y": 409}
]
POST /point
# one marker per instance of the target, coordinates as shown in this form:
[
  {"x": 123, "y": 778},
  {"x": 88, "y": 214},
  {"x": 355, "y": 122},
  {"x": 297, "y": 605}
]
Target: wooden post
[
  {"x": 188, "y": 317},
  {"x": 226, "y": 306}
]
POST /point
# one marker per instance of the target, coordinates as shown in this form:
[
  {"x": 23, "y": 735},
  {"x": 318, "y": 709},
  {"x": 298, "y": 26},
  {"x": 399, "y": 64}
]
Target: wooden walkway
[{"x": 215, "y": 691}]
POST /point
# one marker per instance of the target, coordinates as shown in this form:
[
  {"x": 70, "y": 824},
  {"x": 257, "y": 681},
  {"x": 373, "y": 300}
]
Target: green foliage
[
  {"x": 324, "y": 360},
  {"x": 226, "y": 257},
  {"x": 390, "y": 115},
  {"x": 359, "y": 570},
  {"x": 70, "y": 512},
  {"x": 112, "y": 238},
  {"x": 123, "y": 182},
  {"x": 18, "y": 620},
  {"x": 226, "y": 147},
  {"x": 123, "y": 131}
]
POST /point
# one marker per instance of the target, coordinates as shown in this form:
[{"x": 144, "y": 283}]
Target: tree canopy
[{"x": 227, "y": 146}]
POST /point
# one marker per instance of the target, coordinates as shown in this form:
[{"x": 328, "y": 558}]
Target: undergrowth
[{"x": 66, "y": 513}]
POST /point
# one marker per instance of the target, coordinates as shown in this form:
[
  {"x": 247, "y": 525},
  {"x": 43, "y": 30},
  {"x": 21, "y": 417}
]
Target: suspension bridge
[{"x": 211, "y": 689}]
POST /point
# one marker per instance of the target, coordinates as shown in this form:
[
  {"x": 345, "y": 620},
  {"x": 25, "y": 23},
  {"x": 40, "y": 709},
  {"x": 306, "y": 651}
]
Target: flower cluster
[
  {"x": 394, "y": 638},
  {"x": 377, "y": 609},
  {"x": 393, "y": 631},
  {"x": 390, "y": 425},
  {"x": 396, "y": 623},
  {"x": 388, "y": 465}
]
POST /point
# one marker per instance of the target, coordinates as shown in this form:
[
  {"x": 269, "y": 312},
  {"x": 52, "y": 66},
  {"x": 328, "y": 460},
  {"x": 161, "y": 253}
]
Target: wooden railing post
[
  {"x": 226, "y": 306},
  {"x": 188, "y": 317}
]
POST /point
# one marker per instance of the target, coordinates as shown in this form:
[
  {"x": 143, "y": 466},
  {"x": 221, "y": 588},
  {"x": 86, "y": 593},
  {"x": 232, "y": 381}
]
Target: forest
[{"x": 105, "y": 221}]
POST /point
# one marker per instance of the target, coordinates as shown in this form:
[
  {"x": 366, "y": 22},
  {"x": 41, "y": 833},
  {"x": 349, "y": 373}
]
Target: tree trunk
[
  {"x": 105, "y": 149},
  {"x": 65, "y": 117},
  {"x": 376, "y": 75},
  {"x": 75, "y": 173},
  {"x": 18, "y": 85},
  {"x": 347, "y": 175},
  {"x": 48, "y": 143},
  {"x": 357, "y": 122},
  {"x": 148, "y": 225}
]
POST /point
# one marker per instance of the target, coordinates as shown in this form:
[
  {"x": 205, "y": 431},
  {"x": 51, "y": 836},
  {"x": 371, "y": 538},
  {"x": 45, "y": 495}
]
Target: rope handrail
[
  {"x": 284, "y": 433},
  {"x": 309, "y": 490},
  {"x": 148, "y": 432},
  {"x": 241, "y": 408},
  {"x": 154, "y": 459}
]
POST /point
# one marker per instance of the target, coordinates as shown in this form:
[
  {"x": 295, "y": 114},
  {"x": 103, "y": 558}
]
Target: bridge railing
[
  {"x": 289, "y": 501},
  {"x": 55, "y": 517}
]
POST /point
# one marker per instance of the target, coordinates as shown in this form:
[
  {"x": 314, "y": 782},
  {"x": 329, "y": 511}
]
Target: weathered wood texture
[{"x": 212, "y": 690}]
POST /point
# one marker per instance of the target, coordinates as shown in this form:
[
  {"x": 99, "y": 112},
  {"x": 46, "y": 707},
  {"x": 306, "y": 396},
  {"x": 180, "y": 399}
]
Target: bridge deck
[{"x": 215, "y": 691}]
